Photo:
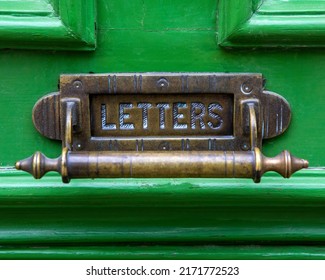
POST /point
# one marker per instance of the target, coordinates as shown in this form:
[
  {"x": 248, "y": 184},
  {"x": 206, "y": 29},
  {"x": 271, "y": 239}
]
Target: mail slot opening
[{"x": 150, "y": 115}]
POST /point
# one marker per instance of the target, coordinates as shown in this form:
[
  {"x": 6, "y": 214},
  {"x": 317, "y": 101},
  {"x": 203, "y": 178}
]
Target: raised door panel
[
  {"x": 48, "y": 24},
  {"x": 271, "y": 23}
]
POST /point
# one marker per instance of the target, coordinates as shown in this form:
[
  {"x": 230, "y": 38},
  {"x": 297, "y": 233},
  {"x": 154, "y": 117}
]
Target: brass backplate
[{"x": 163, "y": 111}]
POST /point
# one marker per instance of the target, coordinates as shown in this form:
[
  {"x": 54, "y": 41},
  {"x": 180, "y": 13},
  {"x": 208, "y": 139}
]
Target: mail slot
[{"x": 162, "y": 125}]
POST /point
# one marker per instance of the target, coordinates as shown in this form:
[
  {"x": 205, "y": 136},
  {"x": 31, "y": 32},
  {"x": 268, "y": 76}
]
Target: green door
[{"x": 162, "y": 218}]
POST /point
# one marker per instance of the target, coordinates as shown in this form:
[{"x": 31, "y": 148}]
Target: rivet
[
  {"x": 165, "y": 146},
  {"x": 77, "y": 84},
  {"x": 246, "y": 87},
  {"x": 245, "y": 147},
  {"x": 162, "y": 83}
]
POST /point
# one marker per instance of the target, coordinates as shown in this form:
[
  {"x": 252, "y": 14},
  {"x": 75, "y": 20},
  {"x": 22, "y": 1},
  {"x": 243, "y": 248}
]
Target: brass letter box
[{"x": 162, "y": 125}]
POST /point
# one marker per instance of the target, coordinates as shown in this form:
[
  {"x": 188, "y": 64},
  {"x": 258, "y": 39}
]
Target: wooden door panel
[
  {"x": 269, "y": 23},
  {"x": 171, "y": 36},
  {"x": 53, "y": 25}
]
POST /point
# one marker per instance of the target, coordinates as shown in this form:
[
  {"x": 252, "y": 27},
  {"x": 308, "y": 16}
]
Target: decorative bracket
[{"x": 162, "y": 125}]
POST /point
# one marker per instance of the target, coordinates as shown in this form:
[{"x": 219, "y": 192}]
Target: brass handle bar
[{"x": 176, "y": 164}]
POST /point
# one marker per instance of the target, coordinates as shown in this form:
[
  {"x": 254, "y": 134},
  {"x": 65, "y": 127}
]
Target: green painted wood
[
  {"x": 272, "y": 23},
  {"x": 139, "y": 43},
  {"x": 54, "y": 25},
  {"x": 80, "y": 19},
  {"x": 306, "y": 98},
  {"x": 231, "y": 16},
  {"x": 298, "y": 7},
  {"x": 115, "y": 218},
  {"x": 305, "y": 188},
  {"x": 164, "y": 210},
  {"x": 23, "y": 7},
  {"x": 163, "y": 252}
]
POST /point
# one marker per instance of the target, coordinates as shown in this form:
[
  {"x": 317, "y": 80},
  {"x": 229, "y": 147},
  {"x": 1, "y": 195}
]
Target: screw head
[
  {"x": 77, "y": 84},
  {"x": 246, "y": 87},
  {"x": 245, "y": 147},
  {"x": 164, "y": 146},
  {"x": 162, "y": 83},
  {"x": 78, "y": 146}
]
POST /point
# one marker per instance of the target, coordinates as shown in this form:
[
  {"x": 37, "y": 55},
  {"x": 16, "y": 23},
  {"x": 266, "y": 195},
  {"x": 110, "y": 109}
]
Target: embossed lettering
[
  {"x": 105, "y": 125},
  {"x": 198, "y": 111},
  {"x": 145, "y": 107},
  {"x": 169, "y": 115},
  {"x": 177, "y": 115},
  {"x": 193, "y": 115},
  {"x": 218, "y": 121},
  {"x": 162, "y": 114},
  {"x": 124, "y": 116}
]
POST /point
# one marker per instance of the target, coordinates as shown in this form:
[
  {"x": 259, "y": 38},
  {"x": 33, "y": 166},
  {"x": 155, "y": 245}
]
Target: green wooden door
[{"x": 162, "y": 218}]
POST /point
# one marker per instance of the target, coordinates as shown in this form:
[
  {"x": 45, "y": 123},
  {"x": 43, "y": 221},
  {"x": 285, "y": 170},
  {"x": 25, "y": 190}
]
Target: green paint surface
[
  {"x": 271, "y": 23},
  {"x": 23, "y": 7},
  {"x": 164, "y": 211},
  {"x": 174, "y": 36},
  {"x": 161, "y": 36},
  {"x": 45, "y": 24},
  {"x": 161, "y": 252}
]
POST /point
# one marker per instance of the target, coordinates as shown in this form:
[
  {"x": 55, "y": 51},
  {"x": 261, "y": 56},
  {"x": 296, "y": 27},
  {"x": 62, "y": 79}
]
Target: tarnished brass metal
[
  {"x": 163, "y": 111},
  {"x": 177, "y": 164},
  {"x": 162, "y": 125}
]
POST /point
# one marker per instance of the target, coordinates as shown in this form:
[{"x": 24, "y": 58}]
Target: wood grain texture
[
  {"x": 271, "y": 23},
  {"x": 58, "y": 25}
]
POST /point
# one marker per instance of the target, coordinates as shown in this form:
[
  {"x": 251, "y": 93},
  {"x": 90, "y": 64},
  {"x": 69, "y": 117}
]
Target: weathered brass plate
[
  {"x": 162, "y": 125},
  {"x": 163, "y": 111}
]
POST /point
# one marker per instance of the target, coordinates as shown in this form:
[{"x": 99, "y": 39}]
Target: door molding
[
  {"x": 265, "y": 23},
  {"x": 55, "y": 25}
]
